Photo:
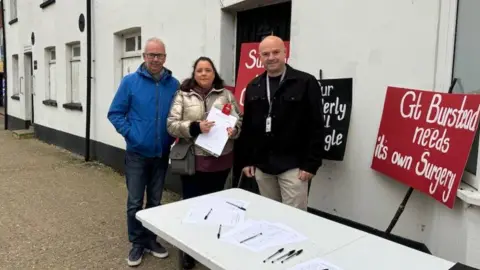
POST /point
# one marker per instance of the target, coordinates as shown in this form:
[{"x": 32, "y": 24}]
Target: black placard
[{"x": 337, "y": 107}]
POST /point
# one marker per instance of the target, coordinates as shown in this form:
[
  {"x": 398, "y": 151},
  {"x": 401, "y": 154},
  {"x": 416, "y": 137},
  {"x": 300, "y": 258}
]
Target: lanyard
[{"x": 268, "y": 90}]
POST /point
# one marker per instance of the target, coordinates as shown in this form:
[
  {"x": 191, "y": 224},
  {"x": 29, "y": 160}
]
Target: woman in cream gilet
[{"x": 197, "y": 95}]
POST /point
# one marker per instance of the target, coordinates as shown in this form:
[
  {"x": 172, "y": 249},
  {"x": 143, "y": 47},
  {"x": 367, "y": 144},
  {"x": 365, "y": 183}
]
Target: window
[
  {"x": 51, "y": 89},
  {"x": 13, "y": 10},
  {"x": 132, "y": 53},
  {"x": 75, "y": 74},
  {"x": 467, "y": 65},
  {"x": 15, "y": 75}
]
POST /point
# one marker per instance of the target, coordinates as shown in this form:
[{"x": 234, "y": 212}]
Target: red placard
[
  {"x": 250, "y": 67},
  {"x": 424, "y": 139}
]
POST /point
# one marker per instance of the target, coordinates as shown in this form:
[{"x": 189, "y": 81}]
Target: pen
[
  {"x": 271, "y": 256},
  {"x": 286, "y": 255},
  {"x": 208, "y": 213},
  {"x": 245, "y": 240},
  {"x": 219, "y": 230},
  {"x": 239, "y": 207},
  {"x": 293, "y": 255}
]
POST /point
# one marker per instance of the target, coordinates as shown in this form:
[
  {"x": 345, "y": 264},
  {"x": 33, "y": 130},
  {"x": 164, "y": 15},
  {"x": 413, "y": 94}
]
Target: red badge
[{"x": 227, "y": 108}]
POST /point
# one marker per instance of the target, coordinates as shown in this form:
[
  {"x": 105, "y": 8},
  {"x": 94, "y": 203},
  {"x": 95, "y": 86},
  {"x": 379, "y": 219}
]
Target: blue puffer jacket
[{"x": 140, "y": 109}]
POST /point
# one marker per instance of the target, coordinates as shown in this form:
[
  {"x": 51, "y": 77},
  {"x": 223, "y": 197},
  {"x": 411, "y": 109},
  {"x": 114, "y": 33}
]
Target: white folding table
[{"x": 344, "y": 246}]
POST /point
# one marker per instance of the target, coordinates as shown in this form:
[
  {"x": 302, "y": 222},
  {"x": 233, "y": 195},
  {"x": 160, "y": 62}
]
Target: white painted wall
[
  {"x": 384, "y": 42},
  {"x": 45, "y": 23},
  {"x": 376, "y": 42},
  {"x": 210, "y": 33}
]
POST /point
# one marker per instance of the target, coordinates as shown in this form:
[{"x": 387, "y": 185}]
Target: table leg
[{"x": 180, "y": 259}]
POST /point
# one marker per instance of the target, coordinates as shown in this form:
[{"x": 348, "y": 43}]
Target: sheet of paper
[
  {"x": 262, "y": 235},
  {"x": 315, "y": 264},
  {"x": 215, "y": 140},
  {"x": 220, "y": 212}
]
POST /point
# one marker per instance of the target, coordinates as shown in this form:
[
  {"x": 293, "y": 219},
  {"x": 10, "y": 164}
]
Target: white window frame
[
  {"x": 13, "y": 10},
  {"x": 73, "y": 59},
  {"x": 465, "y": 59},
  {"x": 138, "y": 45},
  {"x": 137, "y": 53},
  {"x": 52, "y": 60}
]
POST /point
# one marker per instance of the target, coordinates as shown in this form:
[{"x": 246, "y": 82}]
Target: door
[
  {"x": 29, "y": 91},
  {"x": 131, "y": 64},
  {"x": 255, "y": 24},
  {"x": 252, "y": 26}
]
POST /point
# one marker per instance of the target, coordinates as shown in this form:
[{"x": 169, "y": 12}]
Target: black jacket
[{"x": 297, "y": 136}]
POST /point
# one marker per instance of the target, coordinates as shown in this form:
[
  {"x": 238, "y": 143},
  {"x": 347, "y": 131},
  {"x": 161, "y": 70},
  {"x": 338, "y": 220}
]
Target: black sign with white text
[{"x": 337, "y": 107}]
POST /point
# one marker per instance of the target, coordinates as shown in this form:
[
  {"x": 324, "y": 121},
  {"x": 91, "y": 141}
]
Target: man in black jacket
[{"x": 282, "y": 131}]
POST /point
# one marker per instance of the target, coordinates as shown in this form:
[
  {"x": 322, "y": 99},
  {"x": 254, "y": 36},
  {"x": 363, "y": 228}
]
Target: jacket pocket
[{"x": 143, "y": 138}]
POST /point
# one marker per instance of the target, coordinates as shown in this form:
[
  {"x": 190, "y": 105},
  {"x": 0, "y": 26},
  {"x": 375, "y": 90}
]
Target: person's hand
[
  {"x": 205, "y": 126},
  {"x": 249, "y": 171},
  {"x": 231, "y": 132},
  {"x": 304, "y": 176}
]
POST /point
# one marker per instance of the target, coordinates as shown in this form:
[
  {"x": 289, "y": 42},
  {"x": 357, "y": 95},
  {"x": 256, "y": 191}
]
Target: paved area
[{"x": 58, "y": 212}]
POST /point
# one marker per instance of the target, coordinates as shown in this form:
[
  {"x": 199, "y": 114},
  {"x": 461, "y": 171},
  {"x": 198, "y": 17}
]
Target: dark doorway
[{"x": 252, "y": 26}]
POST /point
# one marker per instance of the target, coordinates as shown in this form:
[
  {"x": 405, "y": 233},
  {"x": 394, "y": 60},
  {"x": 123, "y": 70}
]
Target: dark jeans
[
  {"x": 202, "y": 183},
  {"x": 142, "y": 172}
]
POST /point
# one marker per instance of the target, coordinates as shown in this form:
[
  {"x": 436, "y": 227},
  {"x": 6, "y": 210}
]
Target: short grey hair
[{"x": 155, "y": 40}]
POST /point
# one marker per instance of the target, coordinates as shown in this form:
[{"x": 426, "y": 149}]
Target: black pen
[
  {"x": 286, "y": 255},
  {"x": 208, "y": 213},
  {"x": 219, "y": 230},
  {"x": 245, "y": 240},
  {"x": 239, "y": 207},
  {"x": 278, "y": 251},
  {"x": 293, "y": 255}
]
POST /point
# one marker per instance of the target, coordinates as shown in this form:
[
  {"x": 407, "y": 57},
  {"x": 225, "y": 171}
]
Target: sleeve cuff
[{"x": 194, "y": 129}]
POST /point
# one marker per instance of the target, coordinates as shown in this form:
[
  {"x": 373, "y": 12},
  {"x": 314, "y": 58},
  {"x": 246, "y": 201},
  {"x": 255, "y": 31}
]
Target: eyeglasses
[{"x": 155, "y": 55}]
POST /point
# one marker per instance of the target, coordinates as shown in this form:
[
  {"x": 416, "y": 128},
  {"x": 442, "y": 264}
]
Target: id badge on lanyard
[{"x": 268, "y": 122}]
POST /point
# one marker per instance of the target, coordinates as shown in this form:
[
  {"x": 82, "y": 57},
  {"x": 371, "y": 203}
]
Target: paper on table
[
  {"x": 221, "y": 212},
  {"x": 273, "y": 234},
  {"x": 315, "y": 264},
  {"x": 215, "y": 140}
]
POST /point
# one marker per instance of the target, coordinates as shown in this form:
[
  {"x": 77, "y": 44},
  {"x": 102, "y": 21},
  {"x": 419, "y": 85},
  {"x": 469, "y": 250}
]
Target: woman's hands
[
  {"x": 231, "y": 132},
  {"x": 205, "y": 126}
]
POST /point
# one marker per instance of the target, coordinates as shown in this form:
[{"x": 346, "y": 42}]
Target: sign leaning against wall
[{"x": 424, "y": 140}]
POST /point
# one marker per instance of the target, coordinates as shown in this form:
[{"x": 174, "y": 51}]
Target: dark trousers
[
  {"x": 143, "y": 173},
  {"x": 202, "y": 183}
]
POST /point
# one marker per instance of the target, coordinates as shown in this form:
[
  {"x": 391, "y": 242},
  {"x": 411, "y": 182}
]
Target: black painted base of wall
[
  {"x": 114, "y": 158},
  {"x": 111, "y": 156},
  {"x": 15, "y": 123}
]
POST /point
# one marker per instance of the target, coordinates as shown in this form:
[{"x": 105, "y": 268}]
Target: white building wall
[
  {"x": 376, "y": 42},
  {"x": 56, "y": 26},
  {"x": 209, "y": 32}
]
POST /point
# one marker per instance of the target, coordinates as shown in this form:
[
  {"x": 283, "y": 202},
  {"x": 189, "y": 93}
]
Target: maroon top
[{"x": 213, "y": 164}]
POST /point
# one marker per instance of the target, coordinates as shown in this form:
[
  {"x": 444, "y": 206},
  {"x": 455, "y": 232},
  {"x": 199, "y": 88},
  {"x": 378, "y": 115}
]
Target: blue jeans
[{"x": 142, "y": 172}]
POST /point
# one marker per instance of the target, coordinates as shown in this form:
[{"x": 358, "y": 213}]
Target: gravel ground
[{"x": 58, "y": 212}]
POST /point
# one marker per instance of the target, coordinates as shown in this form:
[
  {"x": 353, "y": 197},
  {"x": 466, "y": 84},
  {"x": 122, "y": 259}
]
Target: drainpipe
[
  {"x": 5, "y": 96},
  {"x": 89, "y": 79}
]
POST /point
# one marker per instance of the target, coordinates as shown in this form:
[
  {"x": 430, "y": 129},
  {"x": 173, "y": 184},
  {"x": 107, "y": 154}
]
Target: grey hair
[{"x": 153, "y": 39}]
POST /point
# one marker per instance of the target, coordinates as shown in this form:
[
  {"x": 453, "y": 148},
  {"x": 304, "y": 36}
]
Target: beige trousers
[{"x": 285, "y": 188}]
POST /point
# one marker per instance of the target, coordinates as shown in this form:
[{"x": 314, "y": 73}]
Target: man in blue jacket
[{"x": 139, "y": 112}]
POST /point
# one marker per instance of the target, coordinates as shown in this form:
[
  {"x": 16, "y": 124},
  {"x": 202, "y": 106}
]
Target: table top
[
  {"x": 348, "y": 247},
  {"x": 373, "y": 252}
]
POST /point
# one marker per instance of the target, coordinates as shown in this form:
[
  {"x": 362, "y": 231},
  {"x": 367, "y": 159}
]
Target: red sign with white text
[
  {"x": 250, "y": 67},
  {"x": 424, "y": 139}
]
